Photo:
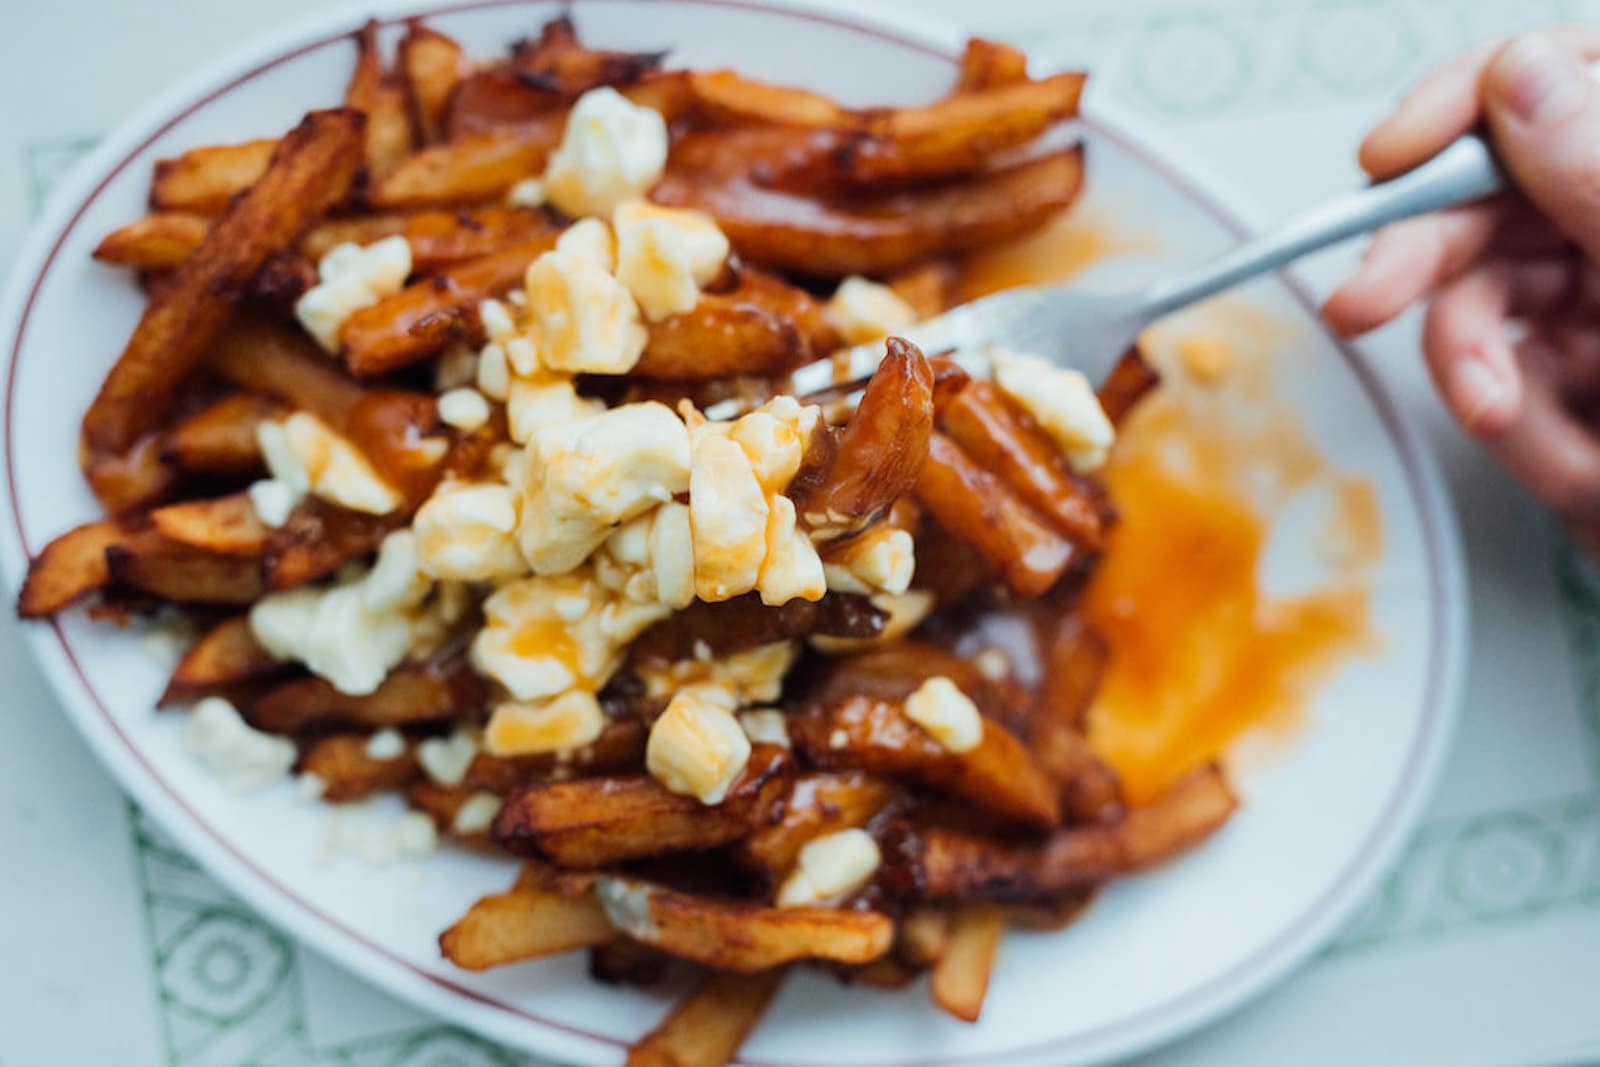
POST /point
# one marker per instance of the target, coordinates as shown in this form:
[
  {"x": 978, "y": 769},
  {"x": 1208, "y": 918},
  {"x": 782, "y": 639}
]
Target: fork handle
[{"x": 1464, "y": 171}]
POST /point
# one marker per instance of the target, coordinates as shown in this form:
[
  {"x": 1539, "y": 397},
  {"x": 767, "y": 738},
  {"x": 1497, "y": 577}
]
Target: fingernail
[
  {"x": 1478, "y": 391},
  {"x": 1538, "y": 81}
]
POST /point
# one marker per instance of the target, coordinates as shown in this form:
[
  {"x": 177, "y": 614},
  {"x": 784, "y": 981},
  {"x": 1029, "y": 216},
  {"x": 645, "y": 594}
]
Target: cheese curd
[
  {"x": 476, "y": 814},
  {"x": 753, "y": 676},
  {"x": 863, "y": 310},
  {"x": 581, "y": 319},
  {"x": 463, "y": 408},
  {"x": 905, "y": 610},
  {"x": 880, "y": 560},
  {"x": 494, "y": 372},
  {"x": 529, "y": 193},
  {"x": 611, "y": 151},
  {"x": 586, "y": 475},
  {"x": 830, "y": 867},
  {"x": 350, "y": 278},
  {"x": 590, "y": 240},
  {"x": 765, "y": 726},
  {"x": 1063, "y": 403},
  {"x": 246, "y": 759},
  {"x": 728, "y": 518},
  {"x": 569, "y": 721},
  {"x": 665, "y": 256},
  {"x": 468, "y": 532},
  {"x": 386, "y": 744},
  {"x": 650, "y": 558},
  {"x": 303, "y": 454},
  {"x": 545, "y": 635},
  {"x": 446, "y": 759},
  {"x": 544, "y": 400},
  {"x": 272, "y": 501},
  {"x": 792, "y": 569},
  {"x": 696, "y": 747},
  {"x": 947, "y": 714}
]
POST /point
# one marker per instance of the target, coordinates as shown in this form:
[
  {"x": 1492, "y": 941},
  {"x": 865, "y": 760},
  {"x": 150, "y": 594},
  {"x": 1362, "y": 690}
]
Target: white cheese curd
[
  {"x": 753, "y": 675},
  {"x": 445, "y": 759},
  {"x": 728, "y": 519},
  {"x": 765, "y": 726},
  {"x": 475, "y": 815},
  {"x": 947, "y": 714},
  {"x": 905, "y": 610},
  {"x": 611, "y": 151},
  {"x": 308, "y": 786},
  {"x": 529, "y": 193},
  {"x": 494, "y": 373},
  {"x": 590, "y": 240},
  {"x": 457, "y": 368},
  {"x": 580, "y": 318},
  {"x": 464, "y": 408},
  {"x": 829, "y": 867},
  {"x": 376, "y": 836},
  {"x": 386, "y": 744},
  {"x": 544, "y": 400},
  {"x": 569, "y": 721},
  {"x": 696, "y": 747},
  {"x": 627, "y": 906},
  {"x": 498, "y": 324},
  {"x": 245, "y": 758},
  {"x": 665, "y": 256},
  {"x": 672, "y": 555},
  {"x": 588, "y": 474},
  {"x": 350, "y": 278},
  {"x": 308, "y": 457},
  {"x": 792, "y": 569},
  {"x": 467, "y": 531},
  {"x": 1061, "y": 401},
  {"x": 396, "y": 581},
  {"x": 272, "y": 501},
  {"x": 879, "y": 560},
  {"x": 863, "y": 310},
  {"x": 775, "y": 437}
]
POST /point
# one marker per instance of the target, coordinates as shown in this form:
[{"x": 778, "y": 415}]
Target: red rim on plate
[{"x": 1162, "y": 1021}]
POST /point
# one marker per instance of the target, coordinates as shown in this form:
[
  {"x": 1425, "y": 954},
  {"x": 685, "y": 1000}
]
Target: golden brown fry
[
  {"x": 524, "y": 923},
  {"x": 411, "y": 694},
  {"x": 223, "y": 656},
  {"x": 221, "y": 438},
  {"x": 382, "y": 99},
  {"x": 961, "y": 977},
  {"x": 318, "y": 539},
  {"x": 765, "y": 327},
  {"x": 1075, "y": 658},
  {"x": 624, "y": 962},
  {"x": 274, "y": 360},
  {"x": 557, "y": 62},
  {"x": 479, "y": 166},
  {"x": 619, "y": 749},
  {"x": 1090, "y": 788},
  {"x": 595, "y": 822},
  {"x": 311, "y": 170},
  {"x": 735, "y": 935},
  {"x": 1130, "y": 380},
  {"x": 727, "y": 95},
  {"x": 744, "y": 622},
  {"x": 131, "y": 481},
  {"x": 979, "y": 508},
  {"x": 431, "y": 66},
  {"x": 349, "y": 772},
  {"x": 206, "y": 179},
  {"x": 155, "y": 242},
  {"x": 923, "y": 936},
  {"x": 817, "y": 804},
  {"x": 706, "y": 1028},
  {"x": 927, "y": 288},
  {"x": 438, "y": 239},
  {"x": 957, "y": 866},
  {"x": 183, "y": 575},
  {"x": 1051, "y": 915},
  {"x": 422, "y": 318},
  {"x": 894, "y": 670},
  {"x": 225, "y": 525},
  {"x": 998, "y": 775},
  {"x": 990, "y": 65},
  {"x": 71, "y": 567}
]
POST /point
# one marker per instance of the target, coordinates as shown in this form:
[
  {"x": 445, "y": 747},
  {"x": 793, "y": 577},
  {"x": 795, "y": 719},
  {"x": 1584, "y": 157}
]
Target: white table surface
[{"x": 1482, "y": 948}]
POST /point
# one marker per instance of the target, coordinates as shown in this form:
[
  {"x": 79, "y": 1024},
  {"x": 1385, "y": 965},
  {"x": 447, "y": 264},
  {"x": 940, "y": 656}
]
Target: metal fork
[{"x": 1090, "y": 330}]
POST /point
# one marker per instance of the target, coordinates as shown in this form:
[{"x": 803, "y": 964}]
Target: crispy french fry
[
  {"x": 1051, "y": 915},
  {"x": 894, "y": 670},
  {"x": 225, "y": 525},
  {"x": 183, "y": 575},
  {"x": 1130, "y": 380},
  {"x": 880, "y": 451},
  {"x": 221, "y": 438},
  {"x": 998, "y": 775},
  {"x": 497, "y": 97},
  {"x": 155, "y": 242},
  {"x": 764, "y": 327},
  {"x": 71, "y": 567},
  {"x": 206, "y": 179},
  {"x": 311, "y": 170},
  {"x": 426, "y": 315},
  {"x": 349, "y": 772},
  {"x": 223, "y": 656},
  {"x": 1090, "y": 788},
  {"x": 624, "y": 962},
  {"x": 557, "y": 62},
  {"x": 411, "y": 694},
  {"x": 479, "y": 166},
  {"x": 524, "y": 923},
  {"x": 438, "y": 239},
  {"x": 126, "y": 482},
  {"x": 594, "y": 822},
  {"x": 956, "y": 866},
  {"x": 318, "y": 539},
  {"x": 744, "y": 622},
  {"x": 979, "y": 508},
  {"x": 961, "y": 977},
  {"x": 735, "y": 935},
  {"x": 706, "y": 1028},
  {"x": 431, "y": 65},
  {"x": 818, "y": 803},
  {"x": 273, "y": 360},
  {"x": 923, "y": 936},
  {"x": 927, "y": 288},
  {"x": 382, "y": 99},
  {"x": 618, "y": 750},
  {"x": 1075, "y": 658},
  {"x": 990, "y": 65},
  {"x": 728, "y": 96}
]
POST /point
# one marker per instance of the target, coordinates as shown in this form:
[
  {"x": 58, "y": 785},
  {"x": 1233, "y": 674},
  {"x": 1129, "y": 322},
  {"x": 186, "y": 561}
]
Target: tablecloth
[{"x": 1482, "y": 946}]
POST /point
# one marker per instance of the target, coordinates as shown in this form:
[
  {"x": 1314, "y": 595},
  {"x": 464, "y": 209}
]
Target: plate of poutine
[{"x": 412, "y": 513}]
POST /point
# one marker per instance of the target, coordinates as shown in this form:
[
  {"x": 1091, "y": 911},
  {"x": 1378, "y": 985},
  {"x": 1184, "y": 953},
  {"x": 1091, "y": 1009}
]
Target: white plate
[{"x": 1154, "y": 957}]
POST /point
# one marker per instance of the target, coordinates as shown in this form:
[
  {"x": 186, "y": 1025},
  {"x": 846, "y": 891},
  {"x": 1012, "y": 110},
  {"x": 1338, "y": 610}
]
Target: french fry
[
  {"x": 272, "y": 360},
  {"x": 1130, "y": 380},
  {"x": 979, "y": 508},
  {"x": 735, "y": 935},
  {"x": 182, "y": 575},
  {"x": 1000, "y": 436},
  {"x": 127, "y": 482},
  {"x": 990, "y": 65},
  {"x": 71, "y": 567},
  {"x": 744, "y": 622},
  {"x": 927, "y": 288},
  {"x": 818, "y": 803},
  {"x": 706, "y": 1028},
  {"x": 156, "y": 242},
  {"x": 594, "y": 822},
  {"x": 878, "y": 233},
  {"x": 311, "y": 170},
  {"x": 524, "y": 923},
  {"x": 382, "y": 99},
  {"x": 923, "y": 936},
  {"x": 317, "y": 540},
  {"x": 411, "y": 694},
  {"x": 479, "y": 166},
  {"x": 624, "y": 962},
  {"x": 764, "y": 328},
  {"x": 557, "y": 62},
  {"x": 223, "y": 656},
  {"x": 225, "y": 525},
  {"x": 618, "y": 749},
  {"x": 438, "y": 239},
  {"x": 961, "y": 977},
  {"x": 880, "y": 451},
  {"x": 728, "y": 96},
  {"x": 426, "y": 315},
  {"x": 349, "y": 772},
  {"x": 431, "y": 65},
  {"x": 206, "y": 179},
  {"x": 894, "y": 670},
  {"x": 997, "y": 776},
  {"x": 1051, "y": 915},
  {"x": 494, "y": 97},
  {"x": 1089, "y": 788},
  {"x": 960, "y": 866},
  {"x": 221, "y": 438},
  {"x": 441, "y": 803},
  {"x": 1075, "y": 657}
]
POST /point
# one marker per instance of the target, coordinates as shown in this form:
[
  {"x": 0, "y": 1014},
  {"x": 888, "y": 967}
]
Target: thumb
[{"x": 1543, "y": 109}]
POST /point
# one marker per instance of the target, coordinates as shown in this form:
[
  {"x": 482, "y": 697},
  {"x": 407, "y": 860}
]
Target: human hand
[{"x": 1512, "y": 332}]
